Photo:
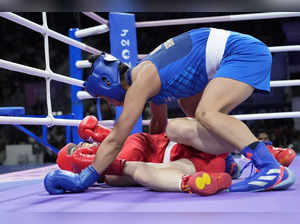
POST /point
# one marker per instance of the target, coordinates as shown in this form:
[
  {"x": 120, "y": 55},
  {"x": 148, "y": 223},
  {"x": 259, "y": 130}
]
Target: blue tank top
[{"x": 181, "y": 65}]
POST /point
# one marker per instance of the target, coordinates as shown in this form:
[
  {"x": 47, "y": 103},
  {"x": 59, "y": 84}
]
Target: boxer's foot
[
  {"x": 205, "y": 184},
  {"x": 270, "y": 174},
  {"x": 266, "y": 179}
]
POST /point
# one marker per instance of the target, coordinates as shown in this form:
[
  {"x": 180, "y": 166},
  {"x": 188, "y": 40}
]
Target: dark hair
[
  {"x": 123, "y": 68},
  {"x": 93, "y": 58},
  {"x": 262, "y": 131}
]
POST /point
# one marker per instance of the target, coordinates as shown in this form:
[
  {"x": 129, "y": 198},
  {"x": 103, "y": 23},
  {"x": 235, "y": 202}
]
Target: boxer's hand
[
  {"x": 60, "y": 181},
  {"x": 83, "y": 157},
  {"x": 90, "y": 130}
]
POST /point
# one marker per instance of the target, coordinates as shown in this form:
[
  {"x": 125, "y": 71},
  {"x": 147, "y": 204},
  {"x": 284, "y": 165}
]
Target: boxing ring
[{"x": 24, "y": 191}]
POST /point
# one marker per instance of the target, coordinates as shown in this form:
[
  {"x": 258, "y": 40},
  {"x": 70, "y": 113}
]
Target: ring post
[
  {"x": 77, "y": 106},
  {"x": 123, "y": 44}
]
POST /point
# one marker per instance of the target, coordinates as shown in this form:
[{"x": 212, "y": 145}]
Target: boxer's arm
[
  {"x": 159, "y": 118},
  {"x": 136, "y": 97}
]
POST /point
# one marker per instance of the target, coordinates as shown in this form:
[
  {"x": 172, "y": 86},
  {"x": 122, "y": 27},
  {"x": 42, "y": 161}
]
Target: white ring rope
[
  {"x": 46, "y": 121},
  {"x": 96, "y": 17},
  {"x": 40, "y": 73},
  {"x": 213, "y": 19},
  {"x": 83, "y": 95},
  {"x": 95, "y": 30},
  {"x": 40, "y": 29},
  {"x": 284, "y": 48},
  {"x": 276, "y": 49},
  {"x": 83, "y": 64},
  {"x": 110, "y": 123},
  {"x": 48, "y": 69},
  {"x": 49, "y": 75},
  {"x": 172, "y": 22}
]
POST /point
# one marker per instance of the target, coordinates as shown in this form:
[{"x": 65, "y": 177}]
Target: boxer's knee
[
  {"x": 205, "y": 116},
  {"x": 179, "y": 131},
  {"x": 171, "y": 129}
]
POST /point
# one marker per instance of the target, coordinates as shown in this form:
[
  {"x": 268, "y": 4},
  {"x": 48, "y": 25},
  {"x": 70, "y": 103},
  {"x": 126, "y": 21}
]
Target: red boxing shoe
[
  {"x": 205, "y": 184},
  {"x": 285, "y": 156}
]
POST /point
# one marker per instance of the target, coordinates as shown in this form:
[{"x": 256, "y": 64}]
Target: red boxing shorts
[
  {"x": 158, "y": 149},
  {"x": 144, "y": 147},
  {"x": 202, "y": 161}
]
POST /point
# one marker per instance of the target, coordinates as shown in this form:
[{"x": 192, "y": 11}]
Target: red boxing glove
[
  {"x": 64, "y": 157},
  {"x": 90, "y": 130},
  {"x": 83, "y": 157},
  {"x": 284, "y": 156},
  {"x": 116, "y": 167}
]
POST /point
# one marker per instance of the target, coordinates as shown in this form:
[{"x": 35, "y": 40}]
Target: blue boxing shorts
[
  {"x": 246, "y": 59},
  {"x": 187, "y": 62}
]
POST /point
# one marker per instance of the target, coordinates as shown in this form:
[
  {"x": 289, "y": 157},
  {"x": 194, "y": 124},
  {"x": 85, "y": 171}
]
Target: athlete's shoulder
[{"x": 145, "y": 70}]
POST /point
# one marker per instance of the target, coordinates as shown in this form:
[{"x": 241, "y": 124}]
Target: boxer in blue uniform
[{"x": 210, "y": 72}]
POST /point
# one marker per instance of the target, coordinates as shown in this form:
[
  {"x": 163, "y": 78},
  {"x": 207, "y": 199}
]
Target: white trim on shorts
[
  {"x": 167, "y": 155},
  {"x": 215, "y": 48}
]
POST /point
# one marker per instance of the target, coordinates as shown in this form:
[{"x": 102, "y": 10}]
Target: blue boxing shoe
[
  {"x": 270, "y": 174},
  {"x": 232, "y": 167}
]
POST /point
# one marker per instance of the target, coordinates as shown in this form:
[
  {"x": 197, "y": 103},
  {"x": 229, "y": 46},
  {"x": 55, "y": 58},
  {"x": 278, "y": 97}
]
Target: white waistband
[
  {"x": 215, "y": 48},
  {"x": 167, "y": 155}
]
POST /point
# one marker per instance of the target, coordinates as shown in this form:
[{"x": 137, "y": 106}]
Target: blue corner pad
[{"x": 12, "y": 111}]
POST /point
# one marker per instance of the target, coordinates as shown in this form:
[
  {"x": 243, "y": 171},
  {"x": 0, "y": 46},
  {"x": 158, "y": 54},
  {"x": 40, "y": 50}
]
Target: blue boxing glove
[{"x": 60, "y": 181}]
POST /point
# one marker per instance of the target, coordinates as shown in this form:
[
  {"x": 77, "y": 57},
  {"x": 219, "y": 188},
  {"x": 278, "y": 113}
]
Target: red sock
[{"x": 184, "y": 184}]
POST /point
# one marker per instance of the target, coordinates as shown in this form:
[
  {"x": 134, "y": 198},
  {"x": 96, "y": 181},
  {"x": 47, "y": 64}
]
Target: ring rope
[
  {"x": 83, "y": 95},
  {"x": 96, "y": 17},
  {"x": 212, "y": 19},
  {"x": 110, "y": 123},
  {"x": 40, "y": 29},
  {"x": 39, "y": 72},
  {"x": 275, "y": 49},
  {"x": 48, "y": 69}
]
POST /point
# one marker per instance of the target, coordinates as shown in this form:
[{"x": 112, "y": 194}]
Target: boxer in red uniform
[{"x": 151, "y": 160}]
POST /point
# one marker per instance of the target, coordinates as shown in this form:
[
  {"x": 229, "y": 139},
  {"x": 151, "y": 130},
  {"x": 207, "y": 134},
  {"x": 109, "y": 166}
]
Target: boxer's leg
[
  {"x": 225, "y": 93},
  {"x": 221, "y": 95},
  {"x": 177, "y": 176},
  {"x": 188, "y": 131},
  {"x": 160, "y": 176}
]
